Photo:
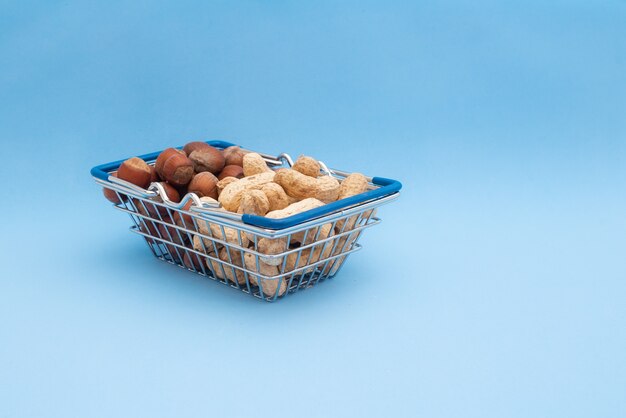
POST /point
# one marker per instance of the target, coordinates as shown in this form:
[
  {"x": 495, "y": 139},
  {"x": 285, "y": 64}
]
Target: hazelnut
[
  {"x": 182, "y": 190},
  {"x": 195, "y": 145},
  {"x": 231, "y": 171},
  {"x": 192, "y": 261},
  {"x": 148, "y": 227},
  {"x": 171, "y": 249},
  {"x": 204, "y": 184},
  {"x": 154, "y": 176},
  {"x": 208, "y": 159},
  {"x": 150, "y": 209},
  {"x": 144, "y": 208},
  {"x": 184, "y": 220},
  {"x": 162, "y": 158},
  {"x": 177, "y": 170},
  {"x": 234, "y": 155},
  {"x": 171, "y": 192},
  {"x": 171, "y": 235},
  {"x": 136, "y": 171},
  {"x": 112, "y": 195}
]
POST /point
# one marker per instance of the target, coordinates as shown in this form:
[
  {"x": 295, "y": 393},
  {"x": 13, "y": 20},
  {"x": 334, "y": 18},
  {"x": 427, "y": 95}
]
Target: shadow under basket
[{"x": 305, "y": 249}]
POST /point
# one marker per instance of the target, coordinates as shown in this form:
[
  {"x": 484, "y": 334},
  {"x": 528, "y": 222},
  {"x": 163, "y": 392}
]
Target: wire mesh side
[{"x": 267, "y": 268}]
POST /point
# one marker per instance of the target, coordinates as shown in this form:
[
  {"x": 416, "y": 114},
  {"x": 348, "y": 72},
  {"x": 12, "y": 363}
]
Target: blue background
[{"x": 495, "y": 286}]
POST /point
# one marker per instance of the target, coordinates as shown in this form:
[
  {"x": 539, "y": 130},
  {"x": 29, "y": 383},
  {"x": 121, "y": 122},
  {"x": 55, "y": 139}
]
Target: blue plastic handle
[
  {"x": 386, "y": 188},
  {"x": 102, "y": 171}
]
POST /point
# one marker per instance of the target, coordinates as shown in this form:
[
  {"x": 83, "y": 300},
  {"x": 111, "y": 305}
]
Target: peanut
[
  {"x": 253, "y": 164},
  {"x": 254, "y": 202},
  {"x": 230, "y": 235},
  {"x": 230, "y": 198},
  {"x": 294, "y": 208},
  {"x": 208, "y": 247},
  {"x": 354, "y": 184},
  {"x": 231, "y": 273},
  {"x": 307, "y": 166},
  {"x": 299, "y": 207},
  {"x": 298, "y": 185},
  {"x": 276, "y": 195},
  {"x": 224, "y": 182},
  {"x": 271, "y": 246},
  {"x": 268, "y": 286},
  {"x": 316, "y": 253},
  {"x": 220, "y": 270}
]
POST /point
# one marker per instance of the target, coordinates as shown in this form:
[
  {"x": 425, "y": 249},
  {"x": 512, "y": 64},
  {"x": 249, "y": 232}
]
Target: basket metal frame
[{"x": 304, "y": 263}]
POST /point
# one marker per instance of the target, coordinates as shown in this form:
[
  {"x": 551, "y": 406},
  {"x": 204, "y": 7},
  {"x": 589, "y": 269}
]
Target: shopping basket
[{"x": 224, "y": 246}]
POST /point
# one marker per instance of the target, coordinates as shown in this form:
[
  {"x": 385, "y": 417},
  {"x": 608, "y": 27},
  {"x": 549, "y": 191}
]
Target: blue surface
[{"x": 495, "y": 287}]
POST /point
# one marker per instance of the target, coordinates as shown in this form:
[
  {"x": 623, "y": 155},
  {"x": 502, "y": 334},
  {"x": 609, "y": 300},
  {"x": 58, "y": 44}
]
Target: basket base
[{"x": 295, "y": 282}]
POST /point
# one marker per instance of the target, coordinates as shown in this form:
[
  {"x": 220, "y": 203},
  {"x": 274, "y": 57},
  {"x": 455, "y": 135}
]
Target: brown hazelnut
[
  {"x": 136, "y": 171},
  {"x": 177, "y": 170},
  {"x": 195, "y": 145},
  {"x": 144, "y": 208},
  {"x": 184, "y": 220},
  {"x": 170, "y": 234},
  {"x": 209, "y": 159},
  {"x": 182, "y": 190},
  {"x": 171, "y": 192},
  {"x": 150, "y": 209},
  {"x": 154, "y": 176},
  {"x": 192, "y": 261},
  {"x": 175, "y": 255},
  {"x": 111, "y": 195},
  {"x": 231, "y": 171},
  {"x": 234, "y": 155},
  {"x": 162, "y": 158},
  {"x": 148, "y": 227},
  {"x": 204, "y": 184}
]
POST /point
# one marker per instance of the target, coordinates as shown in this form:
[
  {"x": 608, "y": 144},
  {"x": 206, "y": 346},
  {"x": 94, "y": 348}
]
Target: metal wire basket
[{"x": 225, "y": 246}]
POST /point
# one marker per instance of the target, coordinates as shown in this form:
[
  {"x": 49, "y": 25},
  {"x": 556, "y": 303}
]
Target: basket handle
[{"x": 386, "y": 188}]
